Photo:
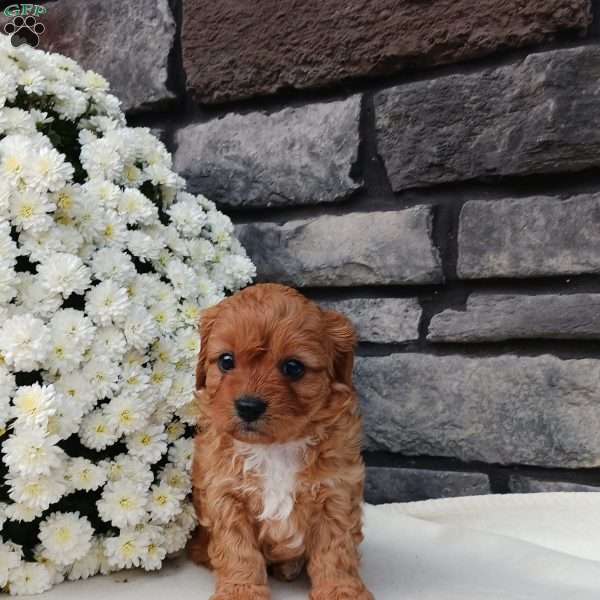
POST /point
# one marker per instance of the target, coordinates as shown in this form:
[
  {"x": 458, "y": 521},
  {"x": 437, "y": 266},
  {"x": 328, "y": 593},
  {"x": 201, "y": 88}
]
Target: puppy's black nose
[{"x": 250, "y": 408}]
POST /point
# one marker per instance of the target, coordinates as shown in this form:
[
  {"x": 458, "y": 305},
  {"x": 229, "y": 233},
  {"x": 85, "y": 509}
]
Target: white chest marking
[{"x": 278, "y": 466}]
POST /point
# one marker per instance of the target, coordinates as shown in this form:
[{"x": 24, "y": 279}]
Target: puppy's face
[{"x": 269, "y": 364}]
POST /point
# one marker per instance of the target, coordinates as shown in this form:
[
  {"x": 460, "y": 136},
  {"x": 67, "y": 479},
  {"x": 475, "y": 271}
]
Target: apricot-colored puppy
[{"x": 278, "y": 475}]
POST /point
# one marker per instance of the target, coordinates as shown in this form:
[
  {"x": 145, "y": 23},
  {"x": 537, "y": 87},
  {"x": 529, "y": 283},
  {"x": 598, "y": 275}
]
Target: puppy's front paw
[
  {"x": 341, "y": 592},
  {"x": 242, "y": 592}
]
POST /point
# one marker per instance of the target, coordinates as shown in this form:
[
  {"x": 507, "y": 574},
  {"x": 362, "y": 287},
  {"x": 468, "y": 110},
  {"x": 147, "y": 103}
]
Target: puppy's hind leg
[{"x": 197, "y": 548}]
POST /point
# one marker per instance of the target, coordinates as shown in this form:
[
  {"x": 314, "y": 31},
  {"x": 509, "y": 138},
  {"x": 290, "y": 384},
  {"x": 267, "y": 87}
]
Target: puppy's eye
[
  {"x": 292, "y": 368},
  {"x": 226, "y": 362}
]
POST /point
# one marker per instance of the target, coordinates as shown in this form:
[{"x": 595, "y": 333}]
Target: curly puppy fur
[{"x": 284, "y": 491}]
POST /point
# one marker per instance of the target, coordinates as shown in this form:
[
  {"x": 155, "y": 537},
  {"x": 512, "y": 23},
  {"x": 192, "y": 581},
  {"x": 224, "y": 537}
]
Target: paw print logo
[{"x": 24, "y": 31}]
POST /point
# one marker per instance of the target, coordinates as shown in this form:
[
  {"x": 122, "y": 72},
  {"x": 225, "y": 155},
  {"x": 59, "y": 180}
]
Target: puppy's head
[{"x": 272, "y": 364}]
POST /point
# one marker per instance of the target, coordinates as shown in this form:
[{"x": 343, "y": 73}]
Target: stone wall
[{"x": 428, "y": 167}]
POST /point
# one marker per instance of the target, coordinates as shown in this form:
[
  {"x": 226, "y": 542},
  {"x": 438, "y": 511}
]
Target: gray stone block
[
  {"x": 541, "y": 115},
  {"x": 491, "y": 318},
  {"x": 508, "y": 409},
  {"x": 127, "y": 42},
  {"x": 295, "y": 156},
  {"x": 529, "y": 237},
  {"x": 354, "y": 249},
  {"x": 381, "y": 320},
  {"x": 519, "y": 484},
  {"x": 385, "y": 484}
]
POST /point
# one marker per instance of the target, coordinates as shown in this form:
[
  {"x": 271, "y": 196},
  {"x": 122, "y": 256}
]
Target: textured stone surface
[
  {"x": 233, "y": 49},
  {"x": 490, "y": 318},
  {"x": 509, "y": 409},
  {"x": 406, "y": 485},
  {"x": 294, "y": 156},
  {"x": 541, "y": 115},
  {"x": 127, "y": 42},
  {"x": 381, "y": 320},
  {"x": 529, "y": 237},
  {"x": 354, "y": 249},
  {"x": 525, "y": 485}
]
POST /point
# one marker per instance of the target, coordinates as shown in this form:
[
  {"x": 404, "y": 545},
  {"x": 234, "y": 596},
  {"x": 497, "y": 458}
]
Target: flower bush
[{"x": 105, "y": 263}]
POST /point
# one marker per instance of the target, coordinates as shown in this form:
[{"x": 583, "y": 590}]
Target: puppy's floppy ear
[
  {"x": 341, "y": 332},
  {"x": 207, "y": 320}
]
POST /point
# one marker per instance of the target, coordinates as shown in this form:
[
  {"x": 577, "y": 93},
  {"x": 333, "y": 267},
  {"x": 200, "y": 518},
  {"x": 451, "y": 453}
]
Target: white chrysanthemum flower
[
  {"x": 94, "y": 83},
  {"x": 96, "y": 432},
  {"x": 32, "y": 452},
  {"x": 88, "y": 217},
  {"x": 127, "y": 413},
  {"x": 129, "y": 468},
  {"x": 148, "y": 444},
  {"x": 188, "y": 413},
  {"x": 123, "y": 504},
  {"x": 32, "y": 81},
  {"x": 29, "y": 211},
  {"x": 175, "y": 537},
  {"x": 154, "y": 555},
  {"x": 110, "y": 263},
  {"x": 187, "y": 518},
  {"x": 109, "y": 341},
  {"x": 29, "y": 578},
  {"x": 24, "y": 342},
  {"x": 182, "y": 452},
  {"x": 200, "y": 251},
  {"x": 135, "y": 208},
  {"x": 183, "y": 278},
  {"x": 135, "y": 378},
  {"x": 83, "y": 474},
  {"x": 57, "y": 571},
  {"x": 17, "y": 121},
  {"x": 114, "y": 231},
  {"x": 188, "y": 216},
  {"x": 33, "y": 298},
  {"x": 37, "y": 493},
  {"x": 103, "y": 375},
  {"x": 10, "y": 559},
  {"x": 74, "y": 325},
  {"x": 164, "y": 315},
  {"x": 22, "y": 513},
  {"x": 142, "y": 245},
  {"x": 107, "y": 303},
  {"x": 189, "y": 313},
  {"x": 165, "y": 502},
  {"x": 66, "y": 537},
  {"x": 33, "y": 405},
  {"x": 140, "y": 328},
  {"x": 175, "y": 430},
  {"x": 67, "y": 418},
  {"x": 48, "y": 170},
  {"x": 182, "y": 389},
  {"x": 161, "y": 378},
  {"x": 64, "y": 274},
  {"x": 127, "y": 549},
  {"x": 90, "y": 564},
  {"x": 176, "y": 477},
  {"x": 76, "y": 388}
]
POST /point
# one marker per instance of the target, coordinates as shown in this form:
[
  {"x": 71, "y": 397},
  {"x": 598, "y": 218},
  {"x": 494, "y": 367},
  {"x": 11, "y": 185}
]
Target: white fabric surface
[{"x": 518, "y": 547}]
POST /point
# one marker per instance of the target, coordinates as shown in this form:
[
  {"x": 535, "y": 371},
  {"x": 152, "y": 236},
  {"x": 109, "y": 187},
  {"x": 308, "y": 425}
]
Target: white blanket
[{"x": 519, "y": 547}]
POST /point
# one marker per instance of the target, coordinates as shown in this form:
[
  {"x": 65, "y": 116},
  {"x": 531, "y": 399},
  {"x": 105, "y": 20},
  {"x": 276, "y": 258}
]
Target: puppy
[{"x": 278, "y": 475}]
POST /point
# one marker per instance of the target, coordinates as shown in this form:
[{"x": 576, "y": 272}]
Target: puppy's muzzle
[{"x": 250, "y": 408}]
